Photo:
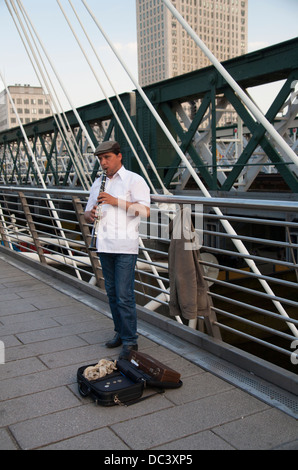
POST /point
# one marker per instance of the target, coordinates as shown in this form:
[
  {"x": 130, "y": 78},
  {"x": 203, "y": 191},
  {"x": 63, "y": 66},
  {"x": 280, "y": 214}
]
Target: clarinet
[{"x": 92, "y": 246}]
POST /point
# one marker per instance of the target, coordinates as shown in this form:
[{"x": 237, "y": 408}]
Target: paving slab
[{"x": 48, "y": 333}]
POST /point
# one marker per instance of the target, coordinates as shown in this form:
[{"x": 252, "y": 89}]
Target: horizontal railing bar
[
  {"x": 246, "y": 321},
  {"x": 249, "y": 220},
  {"x": 14, "y": 236},
  {"x": 253, "y": 257},
  {"x": 28, "y": 249},
  {"x": 73, "y": 266},
  {"x": 150, "y": 274},
  {"x": 229, "y": 202},
  {"x": 253, "y": 339},
  {"x": 149, "y": 283},
  {"x": 255, "y": 292},
  {"x": 37, "y": 216},
  {"x": 54, "y": 227},
  {"x": 263, "y": 241},
  {"x": 162, "y": 291},
  {"x": 34, "y": 190},
  {"x": 255, "y": 309},
  {"x": 244, "y": 203},
  {"x": 250, "y": 274},
  {"x": 157, "y": 265},
  {"x": 153, "y": 250},
  {"x": 151, "y": 298},
  {"x": 46, "y": 208}
]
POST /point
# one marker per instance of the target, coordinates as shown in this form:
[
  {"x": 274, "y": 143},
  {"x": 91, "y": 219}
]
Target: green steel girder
[
  {"x": 50, "y": 154},
  {"x": 186, "y": 140},
  {"x": 68, "y": 170},
  {"x": 258, "y": 133},
  {"x": 14, "y": 159},
  {"x": 31, "y": 166},
  {"x": 256, "y": 68},
  {"x": 3, "y": 162},
  {"x": 107, "y": 137},
  {"x": 279, "y": 62}
]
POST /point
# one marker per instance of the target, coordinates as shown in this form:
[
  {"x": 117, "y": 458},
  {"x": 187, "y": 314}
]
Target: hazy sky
[{"x": 270, "y": 22}]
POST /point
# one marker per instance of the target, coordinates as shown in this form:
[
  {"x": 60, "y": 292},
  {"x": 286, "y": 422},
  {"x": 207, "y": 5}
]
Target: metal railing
[{"x": 254, "y": 293}]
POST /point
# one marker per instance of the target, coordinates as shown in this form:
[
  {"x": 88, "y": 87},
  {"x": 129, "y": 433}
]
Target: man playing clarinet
[{"x": 125, "y": 198}]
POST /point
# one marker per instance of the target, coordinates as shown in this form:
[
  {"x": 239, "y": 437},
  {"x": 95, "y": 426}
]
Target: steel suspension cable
[
  {"x": 82, "y": 172},
  {"x": 165, "y": 190},
  {"x": 109, "y": 101},
  {"x": 45, "y": 86},
  {"x": 146, "y": 254},
  {"x": 238, "y": 243},
  {"x": 65, "y": 92},
  {"x": 229, "y": 79},
  {"x": 49, "y": 200}
]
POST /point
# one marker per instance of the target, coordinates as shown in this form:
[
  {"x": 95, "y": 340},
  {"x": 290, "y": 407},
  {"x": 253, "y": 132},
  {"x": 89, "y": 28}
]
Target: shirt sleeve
[
  {"x": 92, "y": 201},
  {"x": 141, "y": 192}
]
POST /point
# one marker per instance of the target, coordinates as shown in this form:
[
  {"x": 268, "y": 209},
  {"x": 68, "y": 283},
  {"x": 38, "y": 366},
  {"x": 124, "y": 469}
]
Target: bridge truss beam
[{"x": 227, "y": 158}]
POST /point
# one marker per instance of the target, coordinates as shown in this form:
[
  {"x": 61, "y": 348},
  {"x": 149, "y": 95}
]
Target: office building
[
  {"x": 30, "y": 102},
  {"x": 166, "y": 50}
]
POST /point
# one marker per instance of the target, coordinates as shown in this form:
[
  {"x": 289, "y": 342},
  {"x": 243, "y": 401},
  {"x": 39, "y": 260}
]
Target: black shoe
[
  {"x": 115, "y": 342},
  {"x": 126, "y": 350}
]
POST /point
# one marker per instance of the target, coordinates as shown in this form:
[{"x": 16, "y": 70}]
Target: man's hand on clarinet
[{"x": 106, "y": 198}]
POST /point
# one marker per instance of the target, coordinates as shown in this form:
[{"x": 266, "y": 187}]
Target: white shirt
[{"x": 118, "y": 232}]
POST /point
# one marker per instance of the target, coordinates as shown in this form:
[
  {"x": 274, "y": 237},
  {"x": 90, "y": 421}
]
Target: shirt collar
[{"x": 121, "y": 172}]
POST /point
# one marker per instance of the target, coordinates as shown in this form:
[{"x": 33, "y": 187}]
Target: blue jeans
[{"x": 119, "y": 274}]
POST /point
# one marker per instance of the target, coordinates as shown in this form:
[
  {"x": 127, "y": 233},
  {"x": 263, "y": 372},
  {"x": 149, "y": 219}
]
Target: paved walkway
[{"x": 48, "y": 334}]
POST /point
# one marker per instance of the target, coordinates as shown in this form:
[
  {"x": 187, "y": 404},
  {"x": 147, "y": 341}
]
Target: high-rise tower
[{"x": 165, "y": 49}]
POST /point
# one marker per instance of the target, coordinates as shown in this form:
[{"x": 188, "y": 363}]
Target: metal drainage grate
[
  {"x": 268, "y": 393},
  {"x": 257, "y": 387}
]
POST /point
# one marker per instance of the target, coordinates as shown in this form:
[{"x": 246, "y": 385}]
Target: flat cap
[{"x": 107, "y": 147}]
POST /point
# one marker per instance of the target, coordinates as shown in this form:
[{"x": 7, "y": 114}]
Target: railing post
[
  {"x": 32, "y": 228},
  {"x": 87, "y": 237},
  {"x": 3, "y": 230},
  {"x": 211, "y": 325}
]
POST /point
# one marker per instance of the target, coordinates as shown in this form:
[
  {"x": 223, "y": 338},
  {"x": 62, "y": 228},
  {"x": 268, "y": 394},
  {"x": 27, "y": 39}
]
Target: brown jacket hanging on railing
[{"x": 188, "y": 289}]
